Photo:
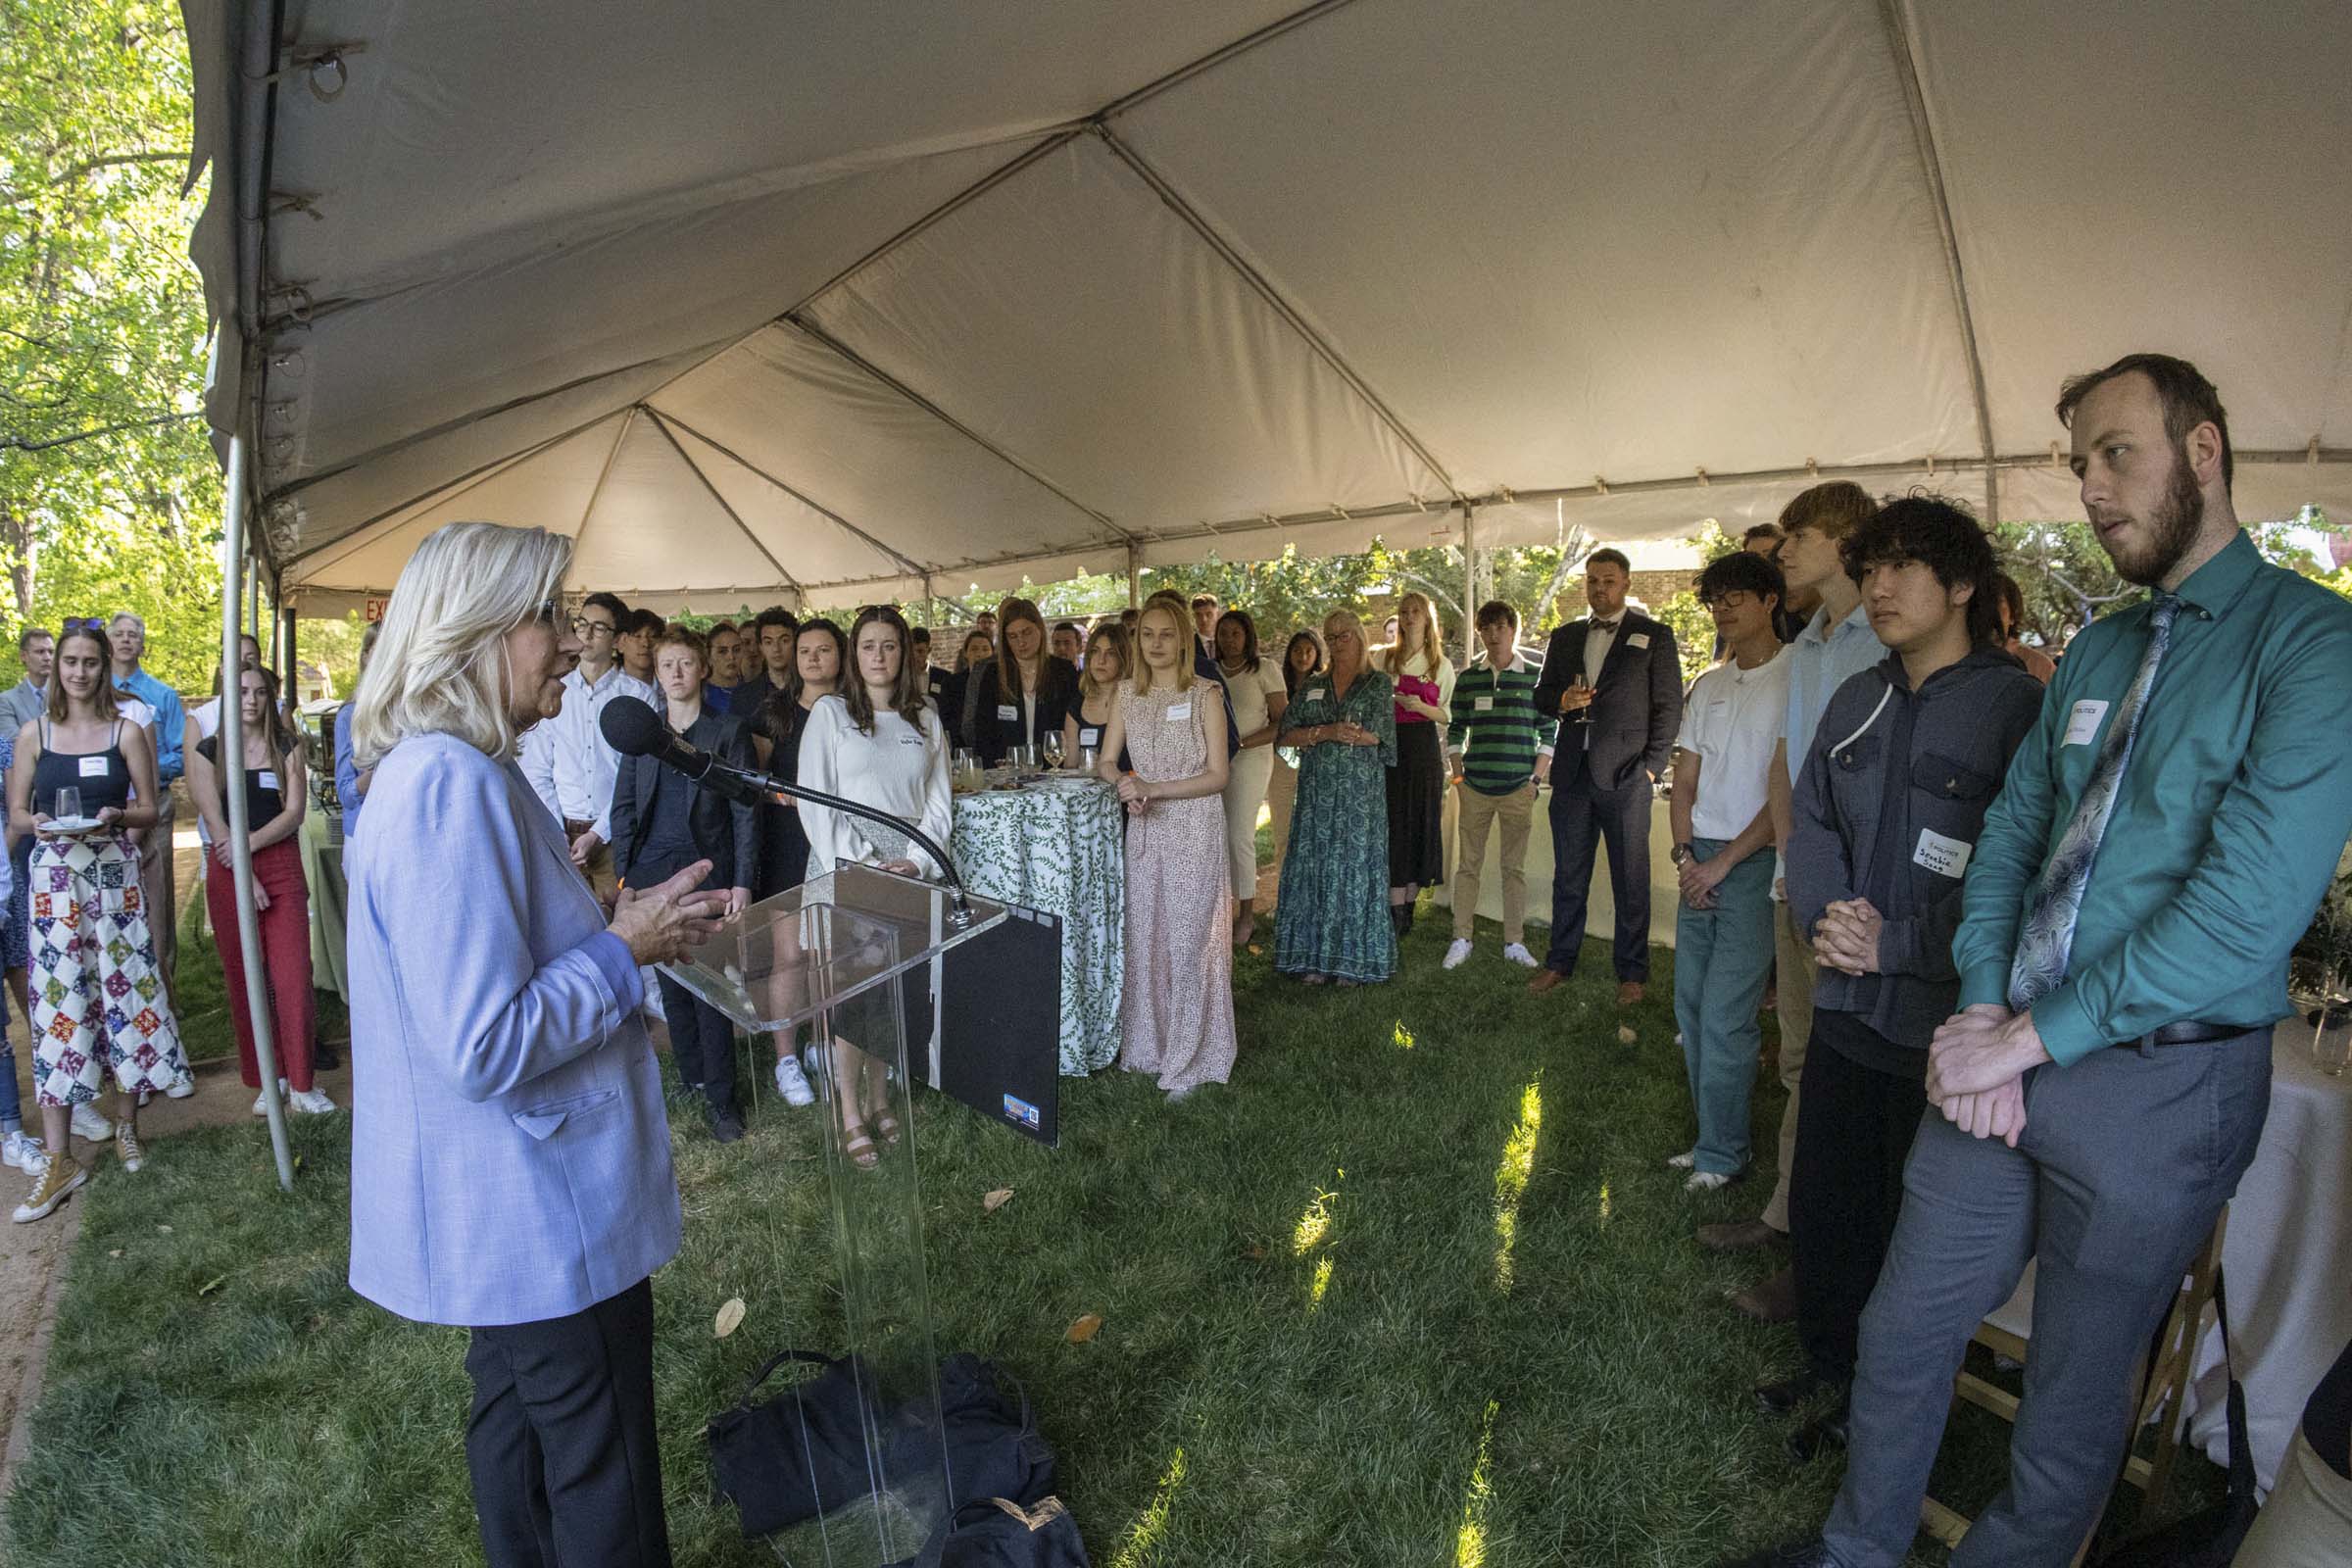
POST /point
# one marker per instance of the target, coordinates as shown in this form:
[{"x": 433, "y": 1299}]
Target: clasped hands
[
  {"x": 1976, "y": 1069},
  {"x": 1847, "y": 937},
  {"x": 659, "y": 923}
]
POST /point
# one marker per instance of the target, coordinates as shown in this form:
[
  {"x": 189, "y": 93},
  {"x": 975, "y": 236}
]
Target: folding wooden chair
[{"x": 2171, "y": 1366}]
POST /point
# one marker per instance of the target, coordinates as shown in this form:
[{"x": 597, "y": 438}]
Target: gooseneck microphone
[{"x": 632, "y": 728}]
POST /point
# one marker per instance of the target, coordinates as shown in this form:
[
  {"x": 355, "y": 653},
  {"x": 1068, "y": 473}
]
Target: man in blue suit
[{"x": 1615, "y": 682}]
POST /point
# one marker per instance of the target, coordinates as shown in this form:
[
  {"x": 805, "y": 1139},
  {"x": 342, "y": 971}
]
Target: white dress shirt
[
  {"x": 899, "y": 769},
  {"x": 565, "y": 756},
  {"x": 1597, "y": 644}
]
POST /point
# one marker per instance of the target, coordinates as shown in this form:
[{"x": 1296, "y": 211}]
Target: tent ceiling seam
[
  {"x": 1215, "y": 58},
  {"x": 733, "y": 516},
  {"x": 580, "y": 534},
  {"x": 1274, "y": 300},
  {"x": 1121, "y": 535},
  {"x": 737, "y": 458},
  {"x": 1922, "y": 135}
]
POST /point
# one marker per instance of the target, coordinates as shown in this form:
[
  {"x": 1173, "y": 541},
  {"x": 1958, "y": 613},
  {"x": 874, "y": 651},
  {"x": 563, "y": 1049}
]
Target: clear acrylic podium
[{"x": 858, "y": 966}]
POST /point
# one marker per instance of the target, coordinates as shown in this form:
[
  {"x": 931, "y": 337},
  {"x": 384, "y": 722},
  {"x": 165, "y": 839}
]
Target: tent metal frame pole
[
  {"x": 240, "y": 828},
  {"x": 733, "y": 516},
  {"x": 1922, "y": 135},
  {"x": 820, "y": 335},
  {"x": 914, "y": 567},
  {"x": 1259, "y": 284},
  {"x": 1134, "y": 578},
  {"x": 628, "y": 416}
]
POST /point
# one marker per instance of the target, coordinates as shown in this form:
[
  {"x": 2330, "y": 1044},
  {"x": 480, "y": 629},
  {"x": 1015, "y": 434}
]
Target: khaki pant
[
  {"x": 1793, "y": 965},
  {"x": 1478, "y": 813},
  {"x": 2307, "y": 1523},
  {"x": 1282, "y": 799}
]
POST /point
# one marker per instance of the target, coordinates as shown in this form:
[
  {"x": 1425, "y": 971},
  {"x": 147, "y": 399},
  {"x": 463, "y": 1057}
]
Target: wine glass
[
  {"x": 69, "y": 804},
  {"x": 1052, "y": 747}
]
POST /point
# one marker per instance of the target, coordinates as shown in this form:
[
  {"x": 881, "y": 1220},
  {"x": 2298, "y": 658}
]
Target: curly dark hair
[{"x": 1942, "y": 535}]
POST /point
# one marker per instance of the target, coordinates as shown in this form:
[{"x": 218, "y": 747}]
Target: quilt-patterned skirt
[{"x": 98, "y": 1001}]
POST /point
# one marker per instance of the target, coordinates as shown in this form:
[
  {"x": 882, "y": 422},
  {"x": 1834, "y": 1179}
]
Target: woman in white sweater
[{"x": 878, "y": 742}]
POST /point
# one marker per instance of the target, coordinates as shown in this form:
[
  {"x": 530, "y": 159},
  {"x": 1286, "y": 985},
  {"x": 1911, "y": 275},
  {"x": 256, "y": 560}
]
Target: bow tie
[{"x": 1604, "y": 625}]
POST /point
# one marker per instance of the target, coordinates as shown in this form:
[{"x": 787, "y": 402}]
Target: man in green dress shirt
[{"x": 2163, "y": 835}]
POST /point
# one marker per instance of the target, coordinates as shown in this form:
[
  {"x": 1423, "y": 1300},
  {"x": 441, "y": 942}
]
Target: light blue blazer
[{"x": 509, "y": 1153}]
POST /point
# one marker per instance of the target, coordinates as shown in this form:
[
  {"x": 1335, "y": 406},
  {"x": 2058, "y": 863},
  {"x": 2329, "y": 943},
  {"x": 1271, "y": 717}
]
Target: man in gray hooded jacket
[{"x": 1907, "y": 759}]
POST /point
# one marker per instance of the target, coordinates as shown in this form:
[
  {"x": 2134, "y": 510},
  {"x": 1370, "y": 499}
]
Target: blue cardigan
[{"x": 509, "y": 1153}]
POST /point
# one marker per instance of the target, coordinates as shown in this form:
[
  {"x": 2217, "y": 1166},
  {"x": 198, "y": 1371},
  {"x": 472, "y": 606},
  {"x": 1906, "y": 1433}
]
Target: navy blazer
[
  {"x": 726, "y": 833},
  {"x": 1638, "y": 707},
  {"x": 987, "y": 730}
]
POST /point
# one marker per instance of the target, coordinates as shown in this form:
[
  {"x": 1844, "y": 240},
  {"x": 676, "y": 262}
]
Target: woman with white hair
[{"x": 509, "y": 1155}]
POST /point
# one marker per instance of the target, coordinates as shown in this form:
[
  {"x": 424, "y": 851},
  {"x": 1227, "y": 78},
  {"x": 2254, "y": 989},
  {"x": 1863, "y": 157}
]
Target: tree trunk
[{"x": 23, "y": 550}]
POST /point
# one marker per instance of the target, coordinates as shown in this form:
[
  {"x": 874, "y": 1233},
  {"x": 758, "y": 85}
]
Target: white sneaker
[
  {"x": 24, "y": 1151},
  {"x": 1688, "y": 1160},
  {"x": 90, "y": 1126},
  {"x": 1705, "y": 1181},
  {"x": 310, "y": 1101},
  {"x": 261, "y": 1103},
  {"x": 181, "y": 1089},
  {"x": 792, "y": 1083},
  {"x": 1457, "y": 953},
  {"x": 1517, "y": 954}
]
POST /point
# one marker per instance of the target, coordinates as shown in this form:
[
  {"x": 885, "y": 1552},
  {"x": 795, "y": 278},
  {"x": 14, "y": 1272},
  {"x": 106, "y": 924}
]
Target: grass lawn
[{"x": 1414, "y": 1288}]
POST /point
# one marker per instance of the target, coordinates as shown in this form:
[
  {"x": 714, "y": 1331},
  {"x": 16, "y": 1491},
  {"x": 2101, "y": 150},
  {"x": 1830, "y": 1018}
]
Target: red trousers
[{"x": 286, "y": 955}]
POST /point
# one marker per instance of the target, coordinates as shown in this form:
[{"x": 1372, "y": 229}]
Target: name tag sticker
[
  {"x": 2084, "y": 722},
  {"x": 1314, "y": 693},
  {"x": 1942, "y": 855},
  {"x": 1481, "y": 704},
  {"x": 1090, "y": 737},
  {"x": 1183, "y": 709},
  {"x": 1009, "y": 714},
  {"x": 1640, "y": 639},
  {"x": 268, "y": 779},
  {"x": 94, "y": 766}
]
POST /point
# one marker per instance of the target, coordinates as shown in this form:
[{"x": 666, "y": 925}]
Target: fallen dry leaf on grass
[
  {"x": 1255, "y": 1254},
  {"x": 997, "y": 1199},
  {"x": 730, "y": 1318},
  {"x": 1085, "y": 1329},
  {"x": 1626, "y": 1035}
]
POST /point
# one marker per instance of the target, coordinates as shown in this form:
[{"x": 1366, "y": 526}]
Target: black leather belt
[{"x": 2190, "y": 1033}]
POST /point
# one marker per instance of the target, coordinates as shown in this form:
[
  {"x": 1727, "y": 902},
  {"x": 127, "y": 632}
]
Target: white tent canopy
[{"x": 860, "y": 301}]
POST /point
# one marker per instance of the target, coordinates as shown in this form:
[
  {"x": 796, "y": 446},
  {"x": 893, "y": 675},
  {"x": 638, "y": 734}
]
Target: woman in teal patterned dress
[{"x": 1332, "y": 921}]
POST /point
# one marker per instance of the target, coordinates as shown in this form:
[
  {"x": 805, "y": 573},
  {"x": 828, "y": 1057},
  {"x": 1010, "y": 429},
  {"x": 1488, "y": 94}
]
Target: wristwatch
[{"x": 1681, "y": 852}]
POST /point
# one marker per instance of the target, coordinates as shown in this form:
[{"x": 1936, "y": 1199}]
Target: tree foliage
[{"x": 109, "y": 493}]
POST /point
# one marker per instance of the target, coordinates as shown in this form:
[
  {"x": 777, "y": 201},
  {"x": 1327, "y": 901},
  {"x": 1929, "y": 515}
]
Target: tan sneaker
[
  {"x": 49, "y": 1189},
  {"x": 127, "y": 1145}
]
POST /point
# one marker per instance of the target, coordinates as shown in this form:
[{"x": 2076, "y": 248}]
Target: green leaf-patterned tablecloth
[{"x": 1056, "y": 847}]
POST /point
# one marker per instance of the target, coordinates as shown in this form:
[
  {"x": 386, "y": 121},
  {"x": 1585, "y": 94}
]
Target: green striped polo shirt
[{"x": 1496, "y": 730}]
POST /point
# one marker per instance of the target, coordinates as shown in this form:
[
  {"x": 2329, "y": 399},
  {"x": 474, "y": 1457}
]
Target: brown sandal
[
  {"x": 887, "y": 1127},
  {"x": 859, "y": 1147}
]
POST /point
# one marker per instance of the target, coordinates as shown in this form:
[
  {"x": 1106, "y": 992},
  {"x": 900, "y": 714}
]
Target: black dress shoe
[
  {"x": 725, "y": 1125},
  {"x": 1779, "y": 1398},
  {"x": 1821, "y": 1434},
  {"x": 1790, "y": 1554}
]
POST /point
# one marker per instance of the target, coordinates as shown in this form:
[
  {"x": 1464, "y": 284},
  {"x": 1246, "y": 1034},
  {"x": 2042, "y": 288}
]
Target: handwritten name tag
[
  {"x": 1009, "y": 714},
  {"x": 1481, "y": 704},
  {"x": 1089, "y": 736},
  {"x": 94, "y": 766},
  {"x": 268, "y": 779},
  {"x": 1640, "y": 639},
  {"x": 1183, "y": 709},
  {"x": 2084, "y": 722},
  {"x": 1942, "y": 855},
  {"x": 1314, "y": 693}
]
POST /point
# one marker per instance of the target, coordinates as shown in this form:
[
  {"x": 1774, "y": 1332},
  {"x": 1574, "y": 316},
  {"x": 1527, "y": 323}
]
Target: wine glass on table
[{"x": 1053, "y": 749}]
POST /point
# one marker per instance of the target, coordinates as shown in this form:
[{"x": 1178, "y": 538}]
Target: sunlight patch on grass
[
  {"x": 1470, "y": 1540},
  {"x": 1315, "y": 1223},
  {"x": 1605, "y": 1203},
  {"x": 1403, "y": 1036},
  {"x": 1510, "y": 1178},
  {"x": 1314, "y": 1295},
  {"x": 1153, "y": 1524}
]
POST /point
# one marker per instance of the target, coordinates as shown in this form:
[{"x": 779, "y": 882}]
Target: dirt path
[{"x": 32, "y": 1257}]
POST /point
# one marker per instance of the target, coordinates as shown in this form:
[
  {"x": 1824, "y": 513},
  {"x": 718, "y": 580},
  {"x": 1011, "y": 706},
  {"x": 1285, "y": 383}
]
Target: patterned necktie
[{"x": 2047, "y": 939}]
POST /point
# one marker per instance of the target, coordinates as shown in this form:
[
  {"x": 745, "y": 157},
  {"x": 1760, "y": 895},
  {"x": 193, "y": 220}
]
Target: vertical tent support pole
[
  {"x": 1471, "y": 598},
  {"x": 1135, "y": 577},
  {"x": 240, "y": 830}
]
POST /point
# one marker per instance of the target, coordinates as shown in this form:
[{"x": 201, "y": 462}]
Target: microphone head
[{"x": 631, "y": 727}]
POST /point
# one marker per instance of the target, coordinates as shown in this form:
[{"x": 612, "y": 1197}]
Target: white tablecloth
[
  {"x": 2288, "y": 1259},
  {"x": 1601, "y": 913}
]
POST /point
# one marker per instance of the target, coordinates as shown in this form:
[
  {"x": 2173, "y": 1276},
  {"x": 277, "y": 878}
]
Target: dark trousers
[
  {"x": 560, "y": 1443},
  {"x": 2126, "y": 1160},
  {"x": 1585, "y": 816},
  {"x": 701, "y": 1042},
  {"x": 1854, "y": 1127}
]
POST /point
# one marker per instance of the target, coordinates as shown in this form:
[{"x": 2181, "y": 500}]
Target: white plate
[{"x": 72, "y": 824}]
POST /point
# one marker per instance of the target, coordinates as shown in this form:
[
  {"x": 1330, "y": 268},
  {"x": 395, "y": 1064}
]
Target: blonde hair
[
  {"x": 1182, "y": 620},
  {"x": 1392, "y": 657},
  {"x": 440, "y": 665}
]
